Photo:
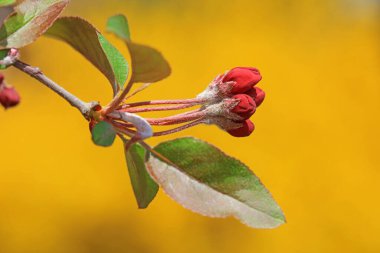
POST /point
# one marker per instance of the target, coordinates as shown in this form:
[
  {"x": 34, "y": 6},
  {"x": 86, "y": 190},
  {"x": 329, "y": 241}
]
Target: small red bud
[
  {"x": 8, "y": 96},
  {"x": 245, "y": 130},
  {"x": 257, "y": 94},
  {"x": 246, "y": 106},
  {"x": 1, "y": 78},
  {"x": 244, "y": 78},
  {"x": 97, "y": 108}
]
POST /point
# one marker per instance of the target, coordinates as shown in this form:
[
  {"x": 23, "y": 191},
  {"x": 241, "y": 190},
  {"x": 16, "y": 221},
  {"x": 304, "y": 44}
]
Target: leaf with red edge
[
  {"x": 29, "y": 21},
  {"x": 205, "y": 180}
]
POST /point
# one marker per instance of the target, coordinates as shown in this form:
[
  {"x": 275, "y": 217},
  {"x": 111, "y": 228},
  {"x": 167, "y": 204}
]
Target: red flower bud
[
  {"x": 244, "y": 79},
  {"x": 245, "y": 130},
  {"x": 257, "y": 94},
  {"x": 1, "y": 78},
  {"x": 246, "y": 106},
  {"x": 8, "y": 96}
]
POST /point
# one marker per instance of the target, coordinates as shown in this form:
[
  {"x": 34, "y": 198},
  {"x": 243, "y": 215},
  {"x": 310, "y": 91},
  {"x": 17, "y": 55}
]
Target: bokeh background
[{"x": 316, "y": 143}]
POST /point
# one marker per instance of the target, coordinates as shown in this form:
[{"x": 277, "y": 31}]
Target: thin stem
[
  {"x": 84, "y": 108},
  {"x": 171, "y": 120},
  {"x": 193, "y": 101},
  {"x": 178, "y": 129},
  {"x": 181, "y": 115},
  {"x": 118, "y": 99},
  {"x": 130, "y": 142},
  {"x": 177, "y": 119},
  {"x": 120, "y": 125},
  {"x": 159, "y": 108},
  {"x": 141, "y": 88},
  {"x": 126, "y": 130}
]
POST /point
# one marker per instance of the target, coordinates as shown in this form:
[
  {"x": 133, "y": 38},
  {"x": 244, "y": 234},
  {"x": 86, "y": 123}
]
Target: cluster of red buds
[
  {"x": 9, "y": 97},
  {"x": 228, "y": 102},
  {"x": 233, "y": 99}
]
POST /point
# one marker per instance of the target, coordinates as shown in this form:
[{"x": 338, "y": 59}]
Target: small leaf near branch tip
[
  {"x": 144, "y": 188},
  {"x": 103, "y": 134},
  {"x": 205, "y": 180},
  {"x": 86, "y": 39},
  {"x": 148, "y": 64},
  {"x": 29, "y": 21}
]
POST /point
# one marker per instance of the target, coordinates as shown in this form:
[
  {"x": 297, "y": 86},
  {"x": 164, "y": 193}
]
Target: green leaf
[
  {"x": 3, "y": 54},
  {"x": 84, "y": 38},
  {"x": 144, "y": 187},
  {"x": 29, "y": 21},
  {"x": 148, "y": 64},
  {"x": 118, "y": 63},
  {"x": 6, "y": 2},
  {"x": 118, "y": 25},
  {"x": 205, "y": 180},
  {"x": 103, "y": 134}
]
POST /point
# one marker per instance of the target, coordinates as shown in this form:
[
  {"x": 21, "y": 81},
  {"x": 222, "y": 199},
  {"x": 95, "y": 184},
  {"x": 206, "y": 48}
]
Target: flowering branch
[{"x": 182, "y": 167}]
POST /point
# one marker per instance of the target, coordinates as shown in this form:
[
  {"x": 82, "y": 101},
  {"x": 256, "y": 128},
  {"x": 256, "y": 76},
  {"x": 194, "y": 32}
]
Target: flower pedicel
[{"x": 229, "y": 101}]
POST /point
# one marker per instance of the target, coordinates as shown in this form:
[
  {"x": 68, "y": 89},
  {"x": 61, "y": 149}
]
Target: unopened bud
[
  {"x": 243, "y": 78},
  {"x": 236, "y": 81},
  {"x": 246, "y": 106},
  {"x": 245, "y": 130},
  {"x": 257, "y": 94},
  {"x": 8, "y": 96}
]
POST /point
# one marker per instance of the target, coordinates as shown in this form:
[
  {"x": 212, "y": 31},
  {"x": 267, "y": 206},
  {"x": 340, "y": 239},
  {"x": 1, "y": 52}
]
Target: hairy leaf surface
[
  {"x": 205, "y": 180},
  {"x": 29, "y": 21}
]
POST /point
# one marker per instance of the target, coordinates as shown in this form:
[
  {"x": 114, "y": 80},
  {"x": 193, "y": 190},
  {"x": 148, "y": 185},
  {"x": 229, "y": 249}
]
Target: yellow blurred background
[{"x": 316, "y": 143}]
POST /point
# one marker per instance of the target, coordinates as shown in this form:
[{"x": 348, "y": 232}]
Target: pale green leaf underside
[
  {"x": 205, "y": 180},
  {"x": 6, "y": 2},
  {"x": 103, "y": 134},
  {"x": 84, "y": 38},
  {"x": 144, "y": 187},
  {"x": 148, "y": 64},
  {"x": 29, "y": 21}
]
